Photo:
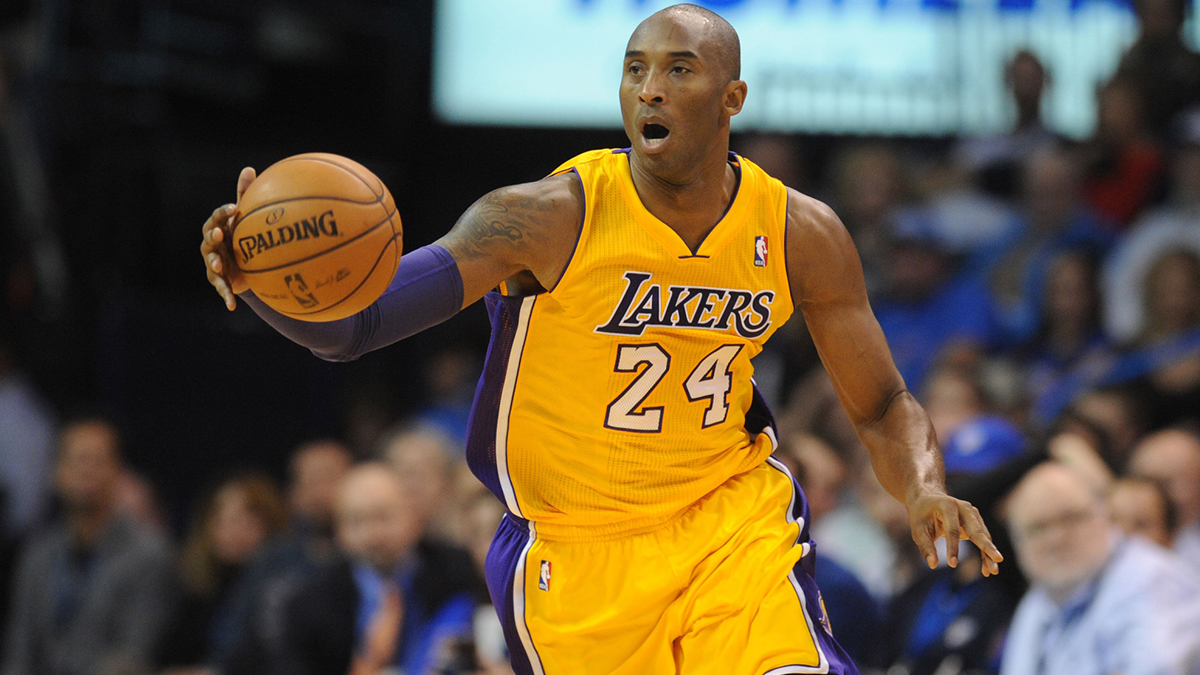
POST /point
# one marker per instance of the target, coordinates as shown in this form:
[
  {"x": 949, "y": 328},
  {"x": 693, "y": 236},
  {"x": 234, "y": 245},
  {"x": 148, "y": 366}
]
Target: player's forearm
[
  {"x": 903, "y": 449},
  {"x": 425, "y": 291}
]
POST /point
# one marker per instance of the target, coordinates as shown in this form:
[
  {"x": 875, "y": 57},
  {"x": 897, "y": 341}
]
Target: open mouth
[{"x": 653, "y": 132}]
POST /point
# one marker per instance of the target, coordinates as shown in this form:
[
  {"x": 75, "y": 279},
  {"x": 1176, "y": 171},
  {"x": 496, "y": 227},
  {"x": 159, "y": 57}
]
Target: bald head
[
  {"x": 1060, "y": 527},
  {"x": 376, "y": 519},
  {"x": 423, "y": 459},
  {"x": 718, "y": 37},
  {"x": 1172, "y": 457}
]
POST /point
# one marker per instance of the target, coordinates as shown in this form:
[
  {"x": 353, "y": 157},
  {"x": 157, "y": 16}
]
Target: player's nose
[{"x": 652, "y": 91}]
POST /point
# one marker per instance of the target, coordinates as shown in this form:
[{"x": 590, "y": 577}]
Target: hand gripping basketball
[
  {"x": 316, "y": 237},
  {"x": 223, "y": 273}
]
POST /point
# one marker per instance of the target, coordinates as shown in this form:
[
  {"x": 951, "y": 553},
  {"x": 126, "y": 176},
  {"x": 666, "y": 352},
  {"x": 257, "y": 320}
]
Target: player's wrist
[{"x": 918, "y": 493}]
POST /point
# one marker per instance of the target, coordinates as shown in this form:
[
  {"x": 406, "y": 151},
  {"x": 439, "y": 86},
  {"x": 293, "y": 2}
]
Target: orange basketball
[{"x": 317, "y": 237}]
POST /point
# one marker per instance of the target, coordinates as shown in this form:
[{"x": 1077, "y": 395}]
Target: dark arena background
[{"x": 1021, "y": 177}]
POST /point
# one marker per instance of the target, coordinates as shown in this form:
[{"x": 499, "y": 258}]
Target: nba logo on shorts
[
  {"x": 544, "y": 576},
  {"x": 760, "y": 251}
]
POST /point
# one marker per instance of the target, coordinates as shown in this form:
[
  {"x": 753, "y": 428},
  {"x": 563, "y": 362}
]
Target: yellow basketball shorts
[{"x": 725, "y": 588}]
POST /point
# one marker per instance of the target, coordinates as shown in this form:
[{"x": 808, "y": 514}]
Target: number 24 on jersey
[{"x": 710, "y": 381}]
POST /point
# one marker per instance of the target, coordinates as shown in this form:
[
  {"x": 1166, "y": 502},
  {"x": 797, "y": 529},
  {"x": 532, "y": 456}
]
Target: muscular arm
[
  {"x": 827, "y": 284},
  {"x": 523, "y": 234}
]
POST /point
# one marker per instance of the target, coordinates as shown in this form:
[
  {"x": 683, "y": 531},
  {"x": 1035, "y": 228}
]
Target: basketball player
[{"x": 649, "y": 530}]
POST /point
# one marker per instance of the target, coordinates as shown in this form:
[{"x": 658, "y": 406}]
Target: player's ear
[{"x": 735, "y": 97}]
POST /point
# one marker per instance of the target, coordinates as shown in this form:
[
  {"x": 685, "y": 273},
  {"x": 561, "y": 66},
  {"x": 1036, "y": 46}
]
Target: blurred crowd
[{"x": 1041, "y": 296}]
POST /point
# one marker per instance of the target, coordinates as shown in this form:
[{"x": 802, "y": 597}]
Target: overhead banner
[{"x": 919, "y": 67}]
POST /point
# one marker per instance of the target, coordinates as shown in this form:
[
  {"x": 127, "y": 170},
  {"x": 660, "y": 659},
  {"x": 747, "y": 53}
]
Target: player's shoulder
[
  {"x": 812, "y": 221},
  {"x": 556, "y": 195}
]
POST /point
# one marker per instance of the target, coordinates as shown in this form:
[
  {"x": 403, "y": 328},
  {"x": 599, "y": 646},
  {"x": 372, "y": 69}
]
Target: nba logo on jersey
[
  {"x": 544, "y": 577},
  {"x": 760, "y": 251}
]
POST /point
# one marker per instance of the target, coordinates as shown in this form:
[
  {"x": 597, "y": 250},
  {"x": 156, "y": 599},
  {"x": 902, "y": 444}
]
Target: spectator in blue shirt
[
  {"x": 1100, "y": 603},
  {"x": 1069, "y": 343},
  {"x": 395, "y": 602},
  {"x": 930, "y": 309},
  {"x": 1055, "y": 219}
]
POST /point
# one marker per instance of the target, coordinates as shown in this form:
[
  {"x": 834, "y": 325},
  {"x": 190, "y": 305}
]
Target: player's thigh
[
  {"x": 753, "y": 607},
  {"x": 578, "y": 609},
  {"x": 783, "y": 634}
]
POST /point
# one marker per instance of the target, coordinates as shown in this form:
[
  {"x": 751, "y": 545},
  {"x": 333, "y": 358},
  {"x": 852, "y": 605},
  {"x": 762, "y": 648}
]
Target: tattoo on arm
[
  {"x": 500, "y": 220},
  {"x": 521, "y": 230},
  {"x": 496, "y": 227}
]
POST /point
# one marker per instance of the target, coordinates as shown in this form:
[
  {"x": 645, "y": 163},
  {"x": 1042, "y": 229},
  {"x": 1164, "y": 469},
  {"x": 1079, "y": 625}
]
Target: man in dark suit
[
  {"x": 93, "y": 591},
  {"x": 393, "y": 601}
]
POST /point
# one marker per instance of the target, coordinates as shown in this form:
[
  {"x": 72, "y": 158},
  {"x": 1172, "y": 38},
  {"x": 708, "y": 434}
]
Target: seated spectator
[
  {"x": 1113, "y": 419},
  {"x": 231, "y": 527},
  {"x": 1069, "y": 338},
  {"x": 868, "y": 183},
  {"x": 1099, "y": 603},
  {"x": 1125, "y": 163},
  {"x": 866, "y": 535},
  {"x": 1174, "y": 225},
  {"x": 1142, "y": 508},
  {"x": 1172, "y": 458},
  {"x": 451, "y": 374},
  {"x": 929, "y": 310},
  {"x": 954, "y": 397},
  {"x": 478, "y": 515},
  {"x": 1054, "y": 218},
  {"x": 953, "y": 620},
  {"x": 93, "y": 591},
  {"x": 395, "y": 601},
  {"x": 315, "y": 472},
  {"x": 1166, "y": 366},
  {"x": 424, "y": 459}
]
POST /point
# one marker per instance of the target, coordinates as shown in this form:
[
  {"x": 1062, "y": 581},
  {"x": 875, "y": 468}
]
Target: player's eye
[
  {"x": 635, "y": 69},
  {"x": 679, "y": 69}
]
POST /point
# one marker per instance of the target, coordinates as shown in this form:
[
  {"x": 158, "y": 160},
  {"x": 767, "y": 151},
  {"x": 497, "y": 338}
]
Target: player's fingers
[
  {"x": 923, "y": 535},
  {"x": 214, "y": 224},
  {"x": 952, "y": 531},
  {"x": 223, "y": 289},
  {"x": 218, "y": 217},
  {"x": 245, "y": 178},
  {"x": 978, "y": 533}
]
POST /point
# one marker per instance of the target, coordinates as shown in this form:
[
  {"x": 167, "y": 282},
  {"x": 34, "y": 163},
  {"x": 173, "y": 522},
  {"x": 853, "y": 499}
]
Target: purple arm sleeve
[{"x": 426, "y": 290}]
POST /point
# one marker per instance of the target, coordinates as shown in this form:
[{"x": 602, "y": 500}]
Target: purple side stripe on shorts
[
  {"x": 840, "y": 662},
  {"x": 802, "y": 577},
  {"x": 503, "y": 560}
]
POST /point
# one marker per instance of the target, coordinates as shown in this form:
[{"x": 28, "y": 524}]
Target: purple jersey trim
[
  {"x": 578, "y": 237},
  {"x": 504, "y": 313}
]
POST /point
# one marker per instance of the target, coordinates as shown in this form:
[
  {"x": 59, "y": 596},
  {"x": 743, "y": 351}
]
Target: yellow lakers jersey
[{"x": 617, "y": 399}]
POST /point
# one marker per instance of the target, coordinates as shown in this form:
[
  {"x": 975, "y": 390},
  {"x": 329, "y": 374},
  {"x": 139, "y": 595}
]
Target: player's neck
[{"x": 691, "y": 205}]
